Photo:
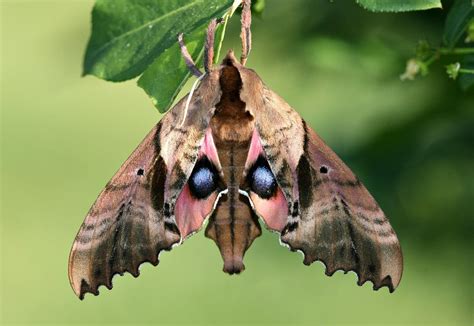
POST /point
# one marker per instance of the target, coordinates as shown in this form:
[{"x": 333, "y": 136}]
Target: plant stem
[
  {"x": 432, "y": 59},
  {"x": 456, "y": 51},
  {"x": 466, "y": 71},
  {"x": 224, "y": 27}
]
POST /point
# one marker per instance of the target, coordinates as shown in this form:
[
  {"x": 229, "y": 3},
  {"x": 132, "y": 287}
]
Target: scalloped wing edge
[
  {"x": 86, "y": 288},
  {"x": 386, "y": 280}
]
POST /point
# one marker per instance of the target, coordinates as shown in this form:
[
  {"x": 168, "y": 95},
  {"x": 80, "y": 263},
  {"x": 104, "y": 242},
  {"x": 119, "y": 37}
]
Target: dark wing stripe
[
  {"x": 304, "y": 174},
  {"x": 106, "y": 245},
  {"x": 116, "y": 235},
  {"x": 340, "y": 224},
  {"x": 348, "y": 234}
]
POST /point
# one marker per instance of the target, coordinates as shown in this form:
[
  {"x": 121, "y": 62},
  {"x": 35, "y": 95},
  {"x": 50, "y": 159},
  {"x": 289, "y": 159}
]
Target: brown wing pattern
[
  {"x": 133, "y": 218},
  {"x": 331, "y": 215},
  {"x": 125, "y": 226},
  {"x": 340, "y": 223}
]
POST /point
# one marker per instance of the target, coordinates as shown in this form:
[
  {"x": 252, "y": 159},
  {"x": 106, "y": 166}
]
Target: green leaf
[
  {"x": 466, "y": 80},
  {"x": 166, "y": 76},
  {"x": 470, "y": 32},
  {"x": 220, "y": 34},
  {"x": 128, "y": 35},
  {"x": 456, "y": 22},
  {"x": 398, "y": 5}
]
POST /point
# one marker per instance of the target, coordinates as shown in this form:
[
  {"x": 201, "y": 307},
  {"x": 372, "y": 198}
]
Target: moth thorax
[{"x": 231, "y": 122}]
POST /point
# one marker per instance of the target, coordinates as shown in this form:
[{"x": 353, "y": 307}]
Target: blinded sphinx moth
[{"x": 234, "y": 153}]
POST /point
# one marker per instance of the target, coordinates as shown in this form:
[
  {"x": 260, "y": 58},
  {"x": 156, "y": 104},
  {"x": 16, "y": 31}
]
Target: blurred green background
[{"x": 412, "y": 143}]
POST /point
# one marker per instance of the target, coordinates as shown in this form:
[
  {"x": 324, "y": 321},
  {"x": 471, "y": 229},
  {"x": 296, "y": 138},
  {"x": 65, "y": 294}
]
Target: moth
[{"x": 233, "y": 154}]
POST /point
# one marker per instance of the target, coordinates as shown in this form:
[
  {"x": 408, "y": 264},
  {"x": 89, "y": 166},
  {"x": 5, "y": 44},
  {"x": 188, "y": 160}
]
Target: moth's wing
[
  {"x": 125, "y": 226},
  {"x": 190, "y": 212},
  {"x": 133, "y": 219},
  {"x": 186, "y": 138},
  {"x": 330, "y": 216},
  {"x": 339, "y": 222}
]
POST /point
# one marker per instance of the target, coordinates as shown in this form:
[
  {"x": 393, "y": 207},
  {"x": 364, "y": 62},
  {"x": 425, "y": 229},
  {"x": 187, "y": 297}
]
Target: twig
[{"x": 456, "y": 51}]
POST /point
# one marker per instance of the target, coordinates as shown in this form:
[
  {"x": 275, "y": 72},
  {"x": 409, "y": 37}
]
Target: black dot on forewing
[
  {"x": 140, "y": 172},
  {"x": 323, "y": 169}
]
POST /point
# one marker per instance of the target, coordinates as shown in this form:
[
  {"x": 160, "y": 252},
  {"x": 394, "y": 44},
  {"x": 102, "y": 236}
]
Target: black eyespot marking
[
  {"x": 203, "y": 179},
  {"x": 261, "y": 179},
  {"x": 140, "y": 172},
  {"x": 323, "y": 169}
]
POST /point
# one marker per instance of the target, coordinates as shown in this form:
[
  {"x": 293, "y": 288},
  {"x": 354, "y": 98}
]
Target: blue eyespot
[
  {"x": 203, "y": 180},
  {"x": 261, "y": 179}
]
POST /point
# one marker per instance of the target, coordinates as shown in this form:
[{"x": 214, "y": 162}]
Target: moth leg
[
  {"x": 209, "y": 47},
  {"x": 187, "y": 57},
  {"x": 245, "y": 34}
]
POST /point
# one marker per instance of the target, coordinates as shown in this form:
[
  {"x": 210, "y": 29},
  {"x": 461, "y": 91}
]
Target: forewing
[
  {"x": 273, "y": 210},
  {"x": 133, "y": 218},
  {"x": 190, "y": 212},
  {"x": 340, "y": 223},
  {"x": 185, "y": 138},
  {"x": 125, "y": 226},
  {"x": 330, "y": 215}
]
